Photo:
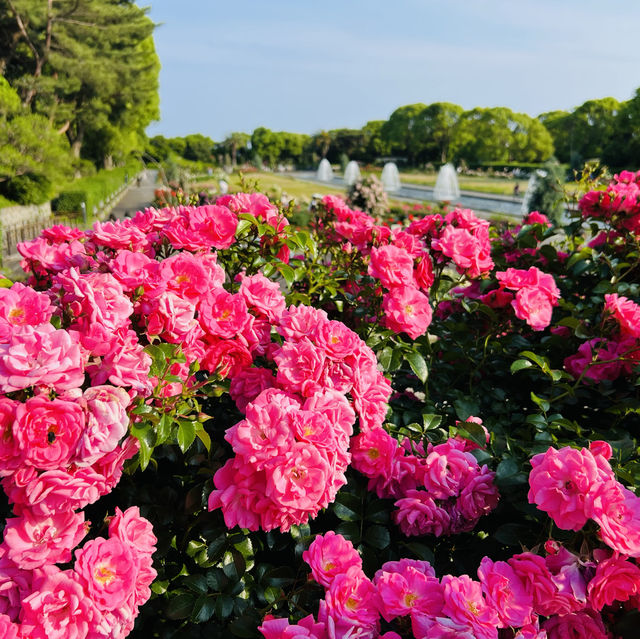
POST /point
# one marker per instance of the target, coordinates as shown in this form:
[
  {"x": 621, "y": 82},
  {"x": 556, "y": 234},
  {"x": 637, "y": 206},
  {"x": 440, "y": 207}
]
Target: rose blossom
[
  {"x": 330, "y": 555},
  {"x": 107, "y": 569},
  {"x": 392, "y": 265},
  {"x": 407, "y": 310},
  {"x": 47, "y": 431},
  {"x": 616, "y": 579}
]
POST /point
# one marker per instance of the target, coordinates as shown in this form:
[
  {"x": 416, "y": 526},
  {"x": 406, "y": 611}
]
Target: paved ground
[{"x": 137, "y": 197}]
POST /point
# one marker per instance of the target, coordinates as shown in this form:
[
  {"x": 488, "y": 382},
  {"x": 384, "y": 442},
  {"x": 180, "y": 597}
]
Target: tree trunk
[{"x": 108, "y": 162}]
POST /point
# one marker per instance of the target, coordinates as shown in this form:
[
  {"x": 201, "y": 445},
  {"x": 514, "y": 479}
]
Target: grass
[{"x": 4, "y": 202}]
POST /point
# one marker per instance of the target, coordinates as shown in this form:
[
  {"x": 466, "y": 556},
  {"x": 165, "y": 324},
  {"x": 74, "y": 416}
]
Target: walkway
[{"x": 137, "y": 197}]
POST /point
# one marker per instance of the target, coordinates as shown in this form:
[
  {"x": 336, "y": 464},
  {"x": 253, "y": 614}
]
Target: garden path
[{"x": 138, "y": 196}]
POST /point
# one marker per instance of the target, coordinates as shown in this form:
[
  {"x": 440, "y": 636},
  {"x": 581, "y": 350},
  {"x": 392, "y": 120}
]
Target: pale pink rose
[
  {"x": 133, "y": 269},
  {"x": 263, "y": 296},
  {"x": 47, "y": 431},
  {"x": 330, "y": 555},
  {"x": 625, "y": 312},
  {"x": 560, "y": 482},
  {"x": 133, "y": 530},
  {"x": 223, "y": 314},
  {"x": 20, "y": 305},
  {"x": 8, "y": 629},
  {"x": 186, "y": 274},
  {"x": 336, "y": 339},
  {"x": 392, "y": 265},
  {"x": 96, "y": 298},
  {"x": 584, "y": 624},
  {"x": 41, "y": 356},
  {"x": 59, "y": 609},
  {"x": 298, "y": 478},
  {"x": 616, "y": 579},
  {"x": 107, "y": 421},
  {"x": 370, "y": 394},
  {"x": 52, "y": 491},
  {"x": 33, "y": 540},
  {"x": 353, "y": 598},
  {"x": 408, "y": 592},
  {"x": 248, "y": 383},
  {"x": 116, "y": 235},
  {"x": 300, "y": 367},
  {"x": 464, "y": 604},
  {"x": 171, "y": 317},
  {"x": 506, "y": 593},
  {"x": 107, "y": 570},
  {"x": 43, "y": 257},
  {"x": 215, "y": 225},
  {"x": 300, "y": 321},
  {"x": 125, "y": 364},
  {"x": 418, "y": 514},
  {"x": 265, "y": 433},
  {"x": 407, "y": 310}
]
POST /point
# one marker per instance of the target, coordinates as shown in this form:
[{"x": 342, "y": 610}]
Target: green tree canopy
[{"x": 90, "y": 67}]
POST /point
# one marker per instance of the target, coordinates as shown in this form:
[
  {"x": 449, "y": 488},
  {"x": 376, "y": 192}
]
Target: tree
[
  {"x": 198, "y": 148},
  {"x": 90, "y": 67},
  {"x": 374, "y": 144},
  {"x": 500, "y": 135},
  {"x": 405, "y": 132},
  {"x": 623, "y": 147},
  {"x": 32, "y": 154},
  {"x": 439, "y": 121},
  {"x": 560, "y": 126},
  {"x": 267, "y": 144},
  {"x": 235, "y": 142}
]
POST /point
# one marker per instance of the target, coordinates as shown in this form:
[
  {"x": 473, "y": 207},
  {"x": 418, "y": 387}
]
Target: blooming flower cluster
[
  {"x": 518, "y": 594},
  {"x": 608, "y": 358},
  {"x": 573, "y": 486},
  {"x": 291, "y": 450},
  {"x": 536, "y": 295},
  {"x": 440, "y": 491},
  {"x": 618, "y": 204}
]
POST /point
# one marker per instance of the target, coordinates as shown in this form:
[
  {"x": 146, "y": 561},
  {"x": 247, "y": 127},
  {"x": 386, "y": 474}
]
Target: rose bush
[{"x": 439, "y": 419}]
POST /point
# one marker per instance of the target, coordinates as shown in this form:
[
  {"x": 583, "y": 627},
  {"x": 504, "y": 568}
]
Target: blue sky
[{"x": 307, "y": 65}]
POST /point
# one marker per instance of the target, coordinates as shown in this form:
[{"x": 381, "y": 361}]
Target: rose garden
[{"x": 215, "y": 424}]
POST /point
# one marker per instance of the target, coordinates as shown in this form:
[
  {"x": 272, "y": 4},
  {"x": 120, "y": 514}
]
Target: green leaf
[
  {"x": 421, "y": 551},
  {"x": 180, "y": 606},
  {"x": 279, "y": 577},
  {"x": 377, "y": 536},
  {"x": 223, "y": 606},
  {"x": 243, "y": 226},
  {"x": 204, "y": 437},
  {"x": 384, "y": 357},
  {"x": 507, "y": 468},
  {"x": 520, "y": 364},
  {"x": 203, "y": 608},
  {"x": 418, "y": 365},
  {"x": 431, "y": 422},
  {"x": 196, "y": 583},
  {"x": 542, "y": 403},
  {"x": 288, "y": 273},
  {"x": 186, "y": 434}
]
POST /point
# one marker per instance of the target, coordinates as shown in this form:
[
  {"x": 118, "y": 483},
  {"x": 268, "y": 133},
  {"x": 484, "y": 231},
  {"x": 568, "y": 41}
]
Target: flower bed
[{"x": 216, "y": 425}]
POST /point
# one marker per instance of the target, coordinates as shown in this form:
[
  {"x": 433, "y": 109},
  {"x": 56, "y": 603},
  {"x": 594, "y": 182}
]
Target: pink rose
[
  {"x": 33, "y": 540},
  {"x": 418, "y": 514},
  {"x": 330, "y": 555},
  {"x": 263, "y": 295},
  {"x": 407, "y": 310},
  {"x": 107, "y": 570},
  {"x": 625, "y": 312},
  {"x": 41, "y": 356},
  {"x": 20, "y": 305},
  {"x": 616, "y": 579},
  {"x": 47, "y": 431},
  {"x": 533, "y": 306},
  {"x": 584, "y": 624},
  {"x": 464, "y": 604},
  {"x": 216, "y": 225},
  {"x": 107, "y": 421},
  {"x": 223, "y": 314},
  {"x": 59, "y": 609},
  {"x": 300, "y": 366},
  {"x": 392, "y": 265}
]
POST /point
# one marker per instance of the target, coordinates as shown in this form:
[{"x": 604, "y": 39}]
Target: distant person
[
  {"x": 138, "y": 180},
  {"x": 516, "y": 190},
  {"x": 223, "y": 186}
]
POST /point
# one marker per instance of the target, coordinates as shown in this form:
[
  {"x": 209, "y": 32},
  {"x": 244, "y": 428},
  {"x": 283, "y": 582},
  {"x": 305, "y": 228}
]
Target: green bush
[{"x": 28, "y": 189}]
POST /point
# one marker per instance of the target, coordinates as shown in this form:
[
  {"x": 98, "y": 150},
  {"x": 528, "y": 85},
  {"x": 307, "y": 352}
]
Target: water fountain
[
  {"x": 446, "y": 189},
  {"x": 324, "y": 172},
  {"x": 351, "y": 173},
  {"x": 390, "y": 177}
]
